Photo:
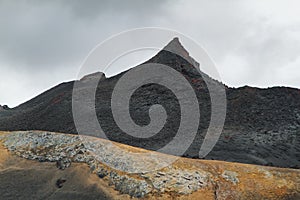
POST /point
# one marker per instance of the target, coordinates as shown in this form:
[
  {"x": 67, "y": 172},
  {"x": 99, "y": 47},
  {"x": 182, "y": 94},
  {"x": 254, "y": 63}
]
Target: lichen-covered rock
[
  {"x": 63, "y": 163},
  {"x": 192, "y": 179},
  {"x": 230, "y": 176}
]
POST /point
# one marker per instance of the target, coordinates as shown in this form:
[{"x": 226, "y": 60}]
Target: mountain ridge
[{"x": 262, "y": 125}]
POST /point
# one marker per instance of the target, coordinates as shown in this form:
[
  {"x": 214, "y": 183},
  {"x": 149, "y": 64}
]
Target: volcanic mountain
[{"x": 262, "y": 126}]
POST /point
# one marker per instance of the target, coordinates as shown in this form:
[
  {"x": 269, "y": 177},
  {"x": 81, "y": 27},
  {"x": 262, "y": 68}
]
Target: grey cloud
[
  {"x": 40, "y": 34},
  {"x": 266, "y": 51},
  {"x": 92, "y": 8}
]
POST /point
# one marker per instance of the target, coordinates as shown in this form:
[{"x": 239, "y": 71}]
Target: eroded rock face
[
  {"x": 64, "y": 149},
  {"x": 184, "y": 178}
]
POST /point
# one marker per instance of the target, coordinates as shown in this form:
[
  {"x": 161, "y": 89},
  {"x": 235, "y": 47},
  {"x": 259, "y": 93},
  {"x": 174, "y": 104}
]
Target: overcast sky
[{"x": 43, "y": 43}]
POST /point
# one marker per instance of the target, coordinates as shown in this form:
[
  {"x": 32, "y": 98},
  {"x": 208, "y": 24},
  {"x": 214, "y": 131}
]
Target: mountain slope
[{"x": 262, "y": 125}]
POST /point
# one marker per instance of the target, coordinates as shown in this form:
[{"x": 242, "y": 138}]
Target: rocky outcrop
[
  {"x": 90, "y": 77},
  {"x": 4, "y": 107},
  {"x": 183, "y": 179},
  {"x": 174, "y": 46}
]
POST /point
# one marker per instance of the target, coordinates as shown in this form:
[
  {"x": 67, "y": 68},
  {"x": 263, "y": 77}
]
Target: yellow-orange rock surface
[{"x": 87, "y": 177}]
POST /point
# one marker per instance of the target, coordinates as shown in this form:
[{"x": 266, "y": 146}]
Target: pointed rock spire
[
  {"x": 176, "y": 47},
  {"x": 92, "y": 76}
]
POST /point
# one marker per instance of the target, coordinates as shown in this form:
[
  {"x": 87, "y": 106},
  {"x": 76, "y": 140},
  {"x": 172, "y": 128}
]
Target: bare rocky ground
[
  {"x": 25, "y": 179},
  {"x": 262, "y": 125},
  {"x": 62, "y": 167}
]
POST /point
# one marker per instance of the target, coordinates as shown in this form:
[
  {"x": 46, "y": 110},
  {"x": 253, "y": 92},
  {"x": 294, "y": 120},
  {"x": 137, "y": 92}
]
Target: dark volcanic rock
[
  {"x": 262, "y": 125},
  {"x": 5, "y": 107},
  {"x": 59, "y": 183}
]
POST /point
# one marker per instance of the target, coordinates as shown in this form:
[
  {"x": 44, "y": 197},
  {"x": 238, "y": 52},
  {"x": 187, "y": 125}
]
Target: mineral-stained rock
[{"x": 184, "y": 178}]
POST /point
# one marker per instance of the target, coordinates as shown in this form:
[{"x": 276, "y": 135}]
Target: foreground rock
[{"x": 183, "y": 179}]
